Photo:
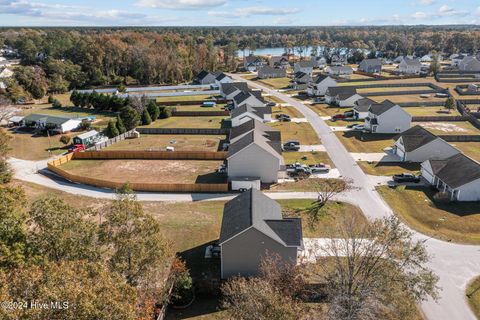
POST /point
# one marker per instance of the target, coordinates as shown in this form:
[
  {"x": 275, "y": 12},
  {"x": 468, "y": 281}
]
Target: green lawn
[
  {"x": 473, "y": 296},
  {"x": 297, "y": 131},
  {"x": 305, "y": 185},
  {"x": 388, "y": 168},
  {"x": 430, "y": 111},
  {"x": 360, "y": 142},
  {"x": 276, "y": 83},
  {"x": 311, "y": 158},
  {"x": 187, "y": 122},
  {"x": 470, "y": 149},
  {"x": 457, "y": 222}
]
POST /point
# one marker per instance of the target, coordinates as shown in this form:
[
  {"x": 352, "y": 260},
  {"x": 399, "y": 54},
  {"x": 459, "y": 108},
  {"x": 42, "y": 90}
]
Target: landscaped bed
[
  {"x": 449, "y": 128},
  {"x": 458, "y": 222},
  {"x": 359, "y": 142},
  {"x": 187, "y": 122},
  {"x": 388, "y": 168},
  {"x": 302, "y": 132},
  {"x": 148, "y": 171},
  {"x": 159, "y": 142}
]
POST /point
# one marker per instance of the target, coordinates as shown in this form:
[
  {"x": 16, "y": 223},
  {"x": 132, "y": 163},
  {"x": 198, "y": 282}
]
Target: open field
[
  {"x": 388, "y": 168},
  {"x": 392, "y": 89},
  {"x": 275, "y": 83},
  {"x": 28, "y": 147},
  {"x": 359, "y": 142},
  {"x": 471, "y": 149},
  {"x": 302, "y": 132},
  {"x": 430, "y": 111},
  {"x": 407, "y": 98},
  {"x": 187, "y": 122},
  {"x": 148, "y": 171},
  {"x": 291, "y": 111},
  {"x": 458, "y": 222},
  {"x": 311, "y": 158},
  {"x": 179, "y": 142},
  {"x": 473, "y": 296},
  {"x": 449, "y": 128}
]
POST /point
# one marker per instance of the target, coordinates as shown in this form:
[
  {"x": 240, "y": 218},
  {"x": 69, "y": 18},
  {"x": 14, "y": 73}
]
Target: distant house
[
  {"x": 52, "y": 123},
  {"x": 205, "y": 77},
  {"x": 457, "y": 176},
  {"x": 418, "y": 145},
  {"x": 252, "y": 229},
  {"x": 426, "y": 58},
  {"x": 221, "y": 77},
  {"x": 252, "y": 98},
  {"x": 456, "y": 59},
  {"x": 89, "y": 138},
  {"x": 246, "y": 113},
  {"x": 268, "y": 72},
  {"x": 339, "y": 60},
  {"x": 387, "y": 117},
  {"x": 279, "y": 62},
  {"x": 360, "y": 110},
  {"x": 304, "y": 66},
  {"x": 230, "y": 90},
  {"x": 319, "y": 85},
  {"x": 342, "y": 96},
  {"x": 370, "y": 66},
  {"x": 344, "y": 72},
  {"x": 301, "y": 80},
  {"x": 410, "y": 66},
  {"x": 256, "y": 153},
  {"x": 469, "y": 64},
  {"x": 473, "y": 88},
  {"x": 6, "y": 73},
  {"x": 319, "y": 62},
  {"x": 253, "y": 63}
]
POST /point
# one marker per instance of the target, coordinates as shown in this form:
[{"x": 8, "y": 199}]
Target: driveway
[{"x": 455, "y": 264}]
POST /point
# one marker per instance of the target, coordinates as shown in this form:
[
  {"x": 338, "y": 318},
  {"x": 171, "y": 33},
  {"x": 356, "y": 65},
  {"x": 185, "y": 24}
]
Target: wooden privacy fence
[
  {"x": 150, "y": 155},
  {"x": 398, "y": 93},
  {"x": 145, "y": 187},
  {"x": 190, "y": 102},
  {"x": 221, "y": 113},
  {"x": 188, "y": 131},
  {"x": 113, "y": 140},
  {"x": 440, "y": 118}
]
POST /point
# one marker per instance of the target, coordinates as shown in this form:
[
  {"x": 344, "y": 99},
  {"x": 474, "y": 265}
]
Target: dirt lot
[
  {"x": 453, "y": 128},
  {"x": 148, "y": 171},
  {"x": 179, "y": 142}
]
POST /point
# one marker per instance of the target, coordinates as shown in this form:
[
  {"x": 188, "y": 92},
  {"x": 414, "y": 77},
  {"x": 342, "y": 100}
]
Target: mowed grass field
[
  {"x": 359, "y": 142},
  {"x": 275, "y": 83},
  {"x": 196, "y": 97},
  {"x": 408, "y": 98},
  {"x": 449, "y": 128},
  {"x": 179, "y": 142},
  {"x": 291, "y": 111},
  {"x": 457, "y": 222},
  {"x": 27, "y": 146},
  {"x": 430, "y": 111},
  {"x": 471, "y": 149},
  {"x": 388, "y": 168},
  {"x": 302, "y": 132},
  {"x": 392, "y": 89},
  {"x": 148, "y": 171},
  {"x": 188, "y": 122},
  {"x": 308, "y": 158}
]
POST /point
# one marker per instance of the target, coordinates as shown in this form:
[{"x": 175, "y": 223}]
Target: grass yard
[
  {"x": 388, "y": 168},
  {"x": 471, "y": 149},
  {"x": 297, "y": 131},
  {"x": 218, "y": 107},
  {"x": 311, "y": 158},
  {"x": 179, "y": 142},
  {"x": 325, "y": 110},
  {"x": 188, "y": 122},
  {"x": 473, "y": 296},
  {"x": 291, "y": 111},
  {"x": 430, "y": 111},
  {"x": 408, "y": 98},
  {"x": 457, "y": 222},
  {"x": 449, "y": 128},
  {"x": 196, "y": 97},
  {"x": 305, "y": 185},
  {"x": 275, "y": 83},
  {"x": 148, "y": 171},
  {"x": 273, "y": 99},
  {"x": 359, "y": 142},
  {"x": 28, "y": 147},
  {"x": 392, "y": 89}
]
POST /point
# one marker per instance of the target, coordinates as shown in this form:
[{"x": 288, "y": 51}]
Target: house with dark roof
[
  {"x": 343, "y": 97},
  {"x": 339, "y": 60},
  {"x": 255, "y": 153},
  {"x": 360, "y": 110},
  {"x": 469, "y": 64},
  {"x": 205, "y": 77},
  {"x": 246, "y": 113},
  {"x": 457, "y": 176},
  {"x": 253, "y": 98},
  {"x": 410, "y": 66},
  {"x": 319, "y": 85},
  {"x": 370, "y": 66},
  {"x": 240, "y": 131},
  {"x": 253, "y": 63},
  {"x": 340, "y": 71},
  {"x": 418, "y": 145},
  {"x": 230, "y": 90},
  {"x": 253, "y": 229},
  {"x": 387, "y": 117},
  {"x": 52, "y": 123},
  {"x": 319, "y": 62},
  {"x": 301, "y": 80},
  {"x": 305, "y": 66},
  {"x": 221, "y": 77},
  {"x": 268, "y": 72},
  {"x": 279, "y": 62}
]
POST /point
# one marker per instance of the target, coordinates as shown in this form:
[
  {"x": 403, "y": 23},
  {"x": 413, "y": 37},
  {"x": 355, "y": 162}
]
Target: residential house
[
  {"x": 340, "y": 71},
  {"x": 457, "y": 58},
  {"x": 238, "y": 132},
  {"x": 252, "y": 98},
  {"x": 52, "y": 123},
  {"x": 246, "y": 113},
  {"x": 301, "y": 80},
  {"x": 221, "y": 77},
  {"x": 360, "y": 110},
  {"x": 469, "y": 64},
  {"x": 253, "y": 229},
  {"x": 473, "y": 88},
  {"x": 370, "y": 66},
  {"x": 255, "y": 153},
  {"x": 343, "y": 97},
  {"x": 387, "y": 117},
  {"x": 230, "y": 90},
  {"x": 457, "y": 176},
  {"x": 426, "y": 58},
  {"x": 253, "y": 63},
  {"x": 410, "y": 66},
  {"x": 339, "y": 60},
  {"x": 89, "y": 138},
  {"x": 268, "y": 72},
  {"x": 304, "y": 66},
  {"x": 319, "y": 62},
  {"x": 6, "y": 73},
  {"x": 279, "y": 62},
  {"x": 319, "y": 85},
  {"x": 418, "y": 145},
  {"x": 205, "y": 77}
]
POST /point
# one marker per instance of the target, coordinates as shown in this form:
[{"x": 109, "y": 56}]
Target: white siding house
[
  {"x": 387, "y": 117},
  {"x": 319, "y": 85}
]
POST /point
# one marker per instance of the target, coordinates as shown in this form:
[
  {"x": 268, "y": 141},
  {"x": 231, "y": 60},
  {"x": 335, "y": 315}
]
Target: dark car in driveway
[
  {"x": 406, "y": 177},
  {"x": 339, "y": 116}
]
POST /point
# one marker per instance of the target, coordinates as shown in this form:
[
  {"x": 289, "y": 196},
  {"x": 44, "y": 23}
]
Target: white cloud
[
  {"x": 419, "y": 15},
  {"x": 252, "y": 11},
  {"x": 181, "y": 4},
  {"x": 427, "y": 2}
]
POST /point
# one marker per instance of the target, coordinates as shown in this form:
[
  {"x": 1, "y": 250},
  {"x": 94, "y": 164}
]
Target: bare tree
[{"x": 377, "y": 271}]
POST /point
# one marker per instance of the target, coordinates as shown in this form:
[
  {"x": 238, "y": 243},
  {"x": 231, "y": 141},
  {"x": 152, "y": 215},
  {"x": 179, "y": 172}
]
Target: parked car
[
  {"x": 320, "y": 168},
  {"x": 406, "y": 177},
  {"x": 292, "y": 145},
  {"x": 284, "y": 118},
  {"x": 76, "y": 148},
  {"x": 298, "y": 170},
  {"x": 359, "y": 127},
  {"x": 441, "y": 95},
  {"x": 350, "y": 126},
  {"x": 348, "y": 114},
  {"x": 271, "y": 104},
  {"x": 339, "y": 116}
]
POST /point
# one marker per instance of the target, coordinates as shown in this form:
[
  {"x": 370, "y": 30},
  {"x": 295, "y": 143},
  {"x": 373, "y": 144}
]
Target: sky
[{"x": 237, "y": 12}]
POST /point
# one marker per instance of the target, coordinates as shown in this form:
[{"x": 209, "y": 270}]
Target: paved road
[{"x": 455, "y": 264}]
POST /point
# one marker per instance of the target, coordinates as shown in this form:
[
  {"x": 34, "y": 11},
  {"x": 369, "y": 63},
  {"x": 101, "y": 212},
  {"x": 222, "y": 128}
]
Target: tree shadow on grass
[{"x": 211, "y": 177}]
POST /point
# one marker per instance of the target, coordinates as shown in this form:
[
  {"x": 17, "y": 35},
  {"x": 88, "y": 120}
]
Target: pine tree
[
  {"x": 154, "y": 110},
  {"x": 146, "y": 119},
  {"x": 112, "y": 130},
  {"x": 120, "y": 126}
]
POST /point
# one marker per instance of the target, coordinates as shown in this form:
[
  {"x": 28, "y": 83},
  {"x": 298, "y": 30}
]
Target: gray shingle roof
[
  {"x": 249, "y": 126},
  {"x": 229, "y": 88},
  {"x": 456, "y": 171},
  {"x": 253, "y": 209},
  {"x": 362, "y": 105},
  {"x": 412, "y": 62},
  {"x": 261, "y": 112},
  {"x": 202, "y": 74},
  {"x": 380, "y": 108},
  {"x": 341, "y": 91},
  {"x": 263, "y": 139},
  {"x": 305, "y": 64},
  {"x": 46, "y": 118},
  {"x": 416, "y": 137}
]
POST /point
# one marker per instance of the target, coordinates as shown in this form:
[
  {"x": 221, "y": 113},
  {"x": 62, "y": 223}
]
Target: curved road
[{"x": 455, "y": 264}]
